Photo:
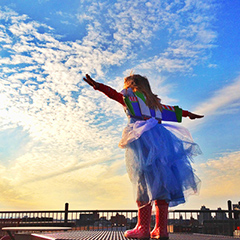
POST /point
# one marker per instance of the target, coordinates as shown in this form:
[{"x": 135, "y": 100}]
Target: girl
[{"x": 157, "y": 155}]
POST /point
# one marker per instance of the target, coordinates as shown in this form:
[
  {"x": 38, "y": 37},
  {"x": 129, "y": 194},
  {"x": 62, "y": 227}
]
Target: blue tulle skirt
[{"x": 158, "y": 161}]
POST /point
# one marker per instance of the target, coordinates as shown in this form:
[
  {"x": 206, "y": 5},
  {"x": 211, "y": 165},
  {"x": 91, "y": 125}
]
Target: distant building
[
  {"x": 102, "y": 222},
  {"x": 236, "y": 209},
  {"x": 220, "y": 215},
  {"x": 205, "y": 215},
  {"x": 118, "y": 220},
  {"x": 87, "y": 219}
]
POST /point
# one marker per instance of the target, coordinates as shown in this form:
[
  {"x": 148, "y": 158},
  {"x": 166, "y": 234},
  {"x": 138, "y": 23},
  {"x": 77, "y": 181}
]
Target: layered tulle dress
[{"x": 158, "y": 160}]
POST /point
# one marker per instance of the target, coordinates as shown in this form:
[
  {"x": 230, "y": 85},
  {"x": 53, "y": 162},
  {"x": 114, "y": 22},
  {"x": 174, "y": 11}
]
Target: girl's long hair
[{"x": 139, "y": 83}]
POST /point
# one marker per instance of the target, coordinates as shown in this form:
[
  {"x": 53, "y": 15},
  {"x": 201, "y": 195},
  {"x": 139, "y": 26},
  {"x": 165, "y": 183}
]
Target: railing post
[
  {"x": 230, "y": 218},
  {"x": 66, "y": 214},
  {"x": 229, "y": 209}
]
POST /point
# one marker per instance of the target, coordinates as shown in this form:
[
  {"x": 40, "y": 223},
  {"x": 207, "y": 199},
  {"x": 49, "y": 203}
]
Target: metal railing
[{"x": 217, "y": 222}]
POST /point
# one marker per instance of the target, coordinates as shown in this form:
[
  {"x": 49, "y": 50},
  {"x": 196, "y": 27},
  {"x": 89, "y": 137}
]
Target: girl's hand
[
  {"x": 90, "y": 81},
  {"x": 193, "y": 115}
]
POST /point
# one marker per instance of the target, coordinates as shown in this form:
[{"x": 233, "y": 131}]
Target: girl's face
[{"x": 128, "y": 83}]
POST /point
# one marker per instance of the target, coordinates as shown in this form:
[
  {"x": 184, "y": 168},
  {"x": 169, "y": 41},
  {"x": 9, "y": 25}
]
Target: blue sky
[{"x": 59, "y": 138}]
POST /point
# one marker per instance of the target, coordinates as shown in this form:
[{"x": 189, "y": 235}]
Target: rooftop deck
[
  {"x": 110, "y": 224},
  {"x": 118, "y": 235}
]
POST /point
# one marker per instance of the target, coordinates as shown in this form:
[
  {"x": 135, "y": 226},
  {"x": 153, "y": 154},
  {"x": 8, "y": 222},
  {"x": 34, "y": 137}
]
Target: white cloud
[
  {"x": 77, "y": 184},
  {"x": 220, "y": 176},
  {"x": 189, "y": 33},
  {"x": 222, "y": 99},
  {"x": 38, "y": 95},
  {"x": 222, "y": 102},
  {"x": 220, "y": 179}
]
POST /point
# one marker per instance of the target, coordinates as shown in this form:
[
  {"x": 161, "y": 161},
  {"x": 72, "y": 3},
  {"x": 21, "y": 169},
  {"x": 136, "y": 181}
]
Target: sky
[{"x": 59, "y": 137}]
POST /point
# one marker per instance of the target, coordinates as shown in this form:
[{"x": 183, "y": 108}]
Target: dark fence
[{"x": 217, "y": 222}]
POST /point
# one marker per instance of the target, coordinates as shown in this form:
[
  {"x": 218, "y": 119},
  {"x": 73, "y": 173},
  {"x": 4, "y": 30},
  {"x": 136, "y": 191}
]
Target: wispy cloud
[
  {"x": 41, "y": 91},
  {"x": 220, "y": 174},
  {"x": 190, "y": 36},
  {"x": 222, "y": 102},
  {"x": 183, "y": 27},
  {"x": 219, "y": 182}
]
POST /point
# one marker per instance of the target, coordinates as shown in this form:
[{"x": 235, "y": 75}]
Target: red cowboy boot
[
  {"x": 142, "y": 229},
  {"x": 160, "y": 229}
]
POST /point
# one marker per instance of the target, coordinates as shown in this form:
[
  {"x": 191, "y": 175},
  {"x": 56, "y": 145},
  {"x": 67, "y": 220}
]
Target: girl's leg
[
  {"x": 142, "y": 229},
  {"x": 160, "y": 229}
]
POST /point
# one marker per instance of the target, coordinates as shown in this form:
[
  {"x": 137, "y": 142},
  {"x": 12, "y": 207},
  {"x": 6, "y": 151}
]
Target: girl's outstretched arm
[
  {"x": 113, "y": 94},
  {"x": 110, "y": 92}
]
